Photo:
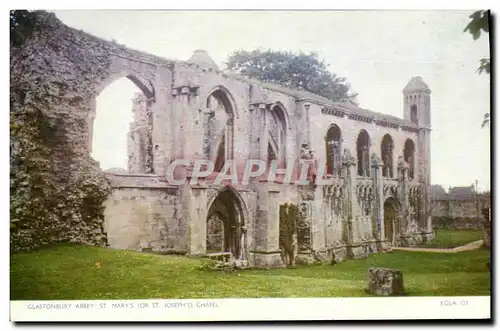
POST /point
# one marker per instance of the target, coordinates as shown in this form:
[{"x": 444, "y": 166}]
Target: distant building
[{"x": 461, "y": 202}]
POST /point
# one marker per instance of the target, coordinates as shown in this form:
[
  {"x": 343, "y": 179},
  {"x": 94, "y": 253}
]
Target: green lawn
[
  {"x": 78, "y": 272},
  {"x": 454, "y": 238}
]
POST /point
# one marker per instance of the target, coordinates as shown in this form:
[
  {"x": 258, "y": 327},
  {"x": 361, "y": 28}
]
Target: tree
[
  {"x": 22, "y": 25},
  {"x": 480, "y": 23},
  {"x": 303, "y": 71}
]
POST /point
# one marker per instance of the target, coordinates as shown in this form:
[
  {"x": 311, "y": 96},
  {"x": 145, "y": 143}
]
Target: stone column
[
  {"x": 349, "y": 164},
  {"x": 180, "y": 108},
  {"x": 138, "y": 135},
  {"x": 404, "y": 202},
  {"x": 149, "y": 162},
  {"x": 303, "y": 124},
  {"x": 266, "y": 251},
  {"x": 183, "y": 117},
  {"x": 306, "y": 230},
  {"x": 317, "y": 220},
  {"x": 264, "y": 131},
  {"x": 378, "y": 198},
  {"x": 258, "y": 134},
  {"x": 163, "y": 116},
  {"x": 194, "y": 201},
  {"x": 193, "y": 126},
  {"x": 424, "y": 172}
]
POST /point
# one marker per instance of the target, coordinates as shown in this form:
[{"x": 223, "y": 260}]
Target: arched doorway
[
  {"x": 225, "y": 225},
  {"x": 390, "y": 219}
]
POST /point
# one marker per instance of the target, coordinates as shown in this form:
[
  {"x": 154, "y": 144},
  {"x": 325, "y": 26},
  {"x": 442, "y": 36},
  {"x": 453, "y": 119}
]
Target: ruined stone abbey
[{"x": 379, "y": 165}]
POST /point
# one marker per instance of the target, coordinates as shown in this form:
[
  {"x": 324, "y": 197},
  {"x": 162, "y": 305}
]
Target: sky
[{"x": 377, "y": 51}]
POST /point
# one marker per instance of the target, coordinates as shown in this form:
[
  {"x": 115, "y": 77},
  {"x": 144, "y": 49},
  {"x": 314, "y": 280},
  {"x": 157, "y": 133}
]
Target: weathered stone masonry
[
  {"x": 380, "y": 164},
  {"x": 461, "y": 208}
]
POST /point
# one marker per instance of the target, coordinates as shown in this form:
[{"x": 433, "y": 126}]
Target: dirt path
[{"x": 467, "y": 247}]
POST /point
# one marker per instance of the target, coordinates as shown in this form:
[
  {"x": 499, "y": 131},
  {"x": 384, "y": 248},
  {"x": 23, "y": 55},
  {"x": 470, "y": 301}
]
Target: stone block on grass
[{"x": 385, "y": 282}]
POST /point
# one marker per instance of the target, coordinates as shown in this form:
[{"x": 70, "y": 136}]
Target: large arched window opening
[
  {"x": 409, "y": 156},
  {"x": 333, "y": 150},
  {"x": 219, "y": 131},
  {"x": 387, "y": 148},
  {"x": 119, "y": 123},
  {"x": 414, "y": 114},
  {"x": 363, "y": 153},
  {"x": 277, "y": 136}
]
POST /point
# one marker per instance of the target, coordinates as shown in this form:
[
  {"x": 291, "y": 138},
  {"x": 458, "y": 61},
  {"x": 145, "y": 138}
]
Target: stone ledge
[
  {"x": 138, "y": 181},
  {"x": 266, "y": 252}
]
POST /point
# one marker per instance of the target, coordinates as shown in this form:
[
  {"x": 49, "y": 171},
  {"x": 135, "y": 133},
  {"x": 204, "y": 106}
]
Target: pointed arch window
[
  {"x": 277, "y": 136},
  {"x": 387, "y": 148},
  {"x": 333, "y": 147},
  {"x": 219, "y": 129},
  {"x": 363, "y": 153}
]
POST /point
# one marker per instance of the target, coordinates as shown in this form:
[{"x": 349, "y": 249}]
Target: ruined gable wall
[{"x": 59, "y": 71}]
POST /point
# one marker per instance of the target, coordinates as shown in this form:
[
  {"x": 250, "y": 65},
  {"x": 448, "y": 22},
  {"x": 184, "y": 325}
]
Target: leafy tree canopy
[
  {"x": 294, "y": 70},
  {"x": 22, "y": 25},
  {"x": 480, "y": 23}
]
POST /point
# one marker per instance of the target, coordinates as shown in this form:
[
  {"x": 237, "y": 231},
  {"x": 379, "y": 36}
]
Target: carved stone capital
[
  {"x": 347, "y": 159},
  {"x": 306, "y": 153},
  {"x": 258, "y": 105},
  {"x": 185, "y": 90}
]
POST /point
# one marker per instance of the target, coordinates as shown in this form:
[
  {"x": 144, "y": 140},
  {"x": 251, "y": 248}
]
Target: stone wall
[
  {"x": 459, "y": 213},
  {"x": 458, "y": 223},
  {"x": 142, "y": 213}
]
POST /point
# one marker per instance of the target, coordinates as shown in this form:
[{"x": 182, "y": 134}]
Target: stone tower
[{"x": 417, "y": 109}]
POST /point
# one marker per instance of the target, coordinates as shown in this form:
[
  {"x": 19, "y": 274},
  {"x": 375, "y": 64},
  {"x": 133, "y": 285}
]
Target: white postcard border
[
  {"x": 426, "y": 307},
  {"x": 268, "y": 309}
]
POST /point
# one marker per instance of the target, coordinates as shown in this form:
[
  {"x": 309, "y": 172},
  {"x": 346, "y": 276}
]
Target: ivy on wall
[{"x": 288, "y": 233}]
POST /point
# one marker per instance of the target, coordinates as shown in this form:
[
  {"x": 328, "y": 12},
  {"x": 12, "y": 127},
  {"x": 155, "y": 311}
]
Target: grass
[
  {"x": 454, "y": 238},
  {"x": 79, "y": 272}
]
